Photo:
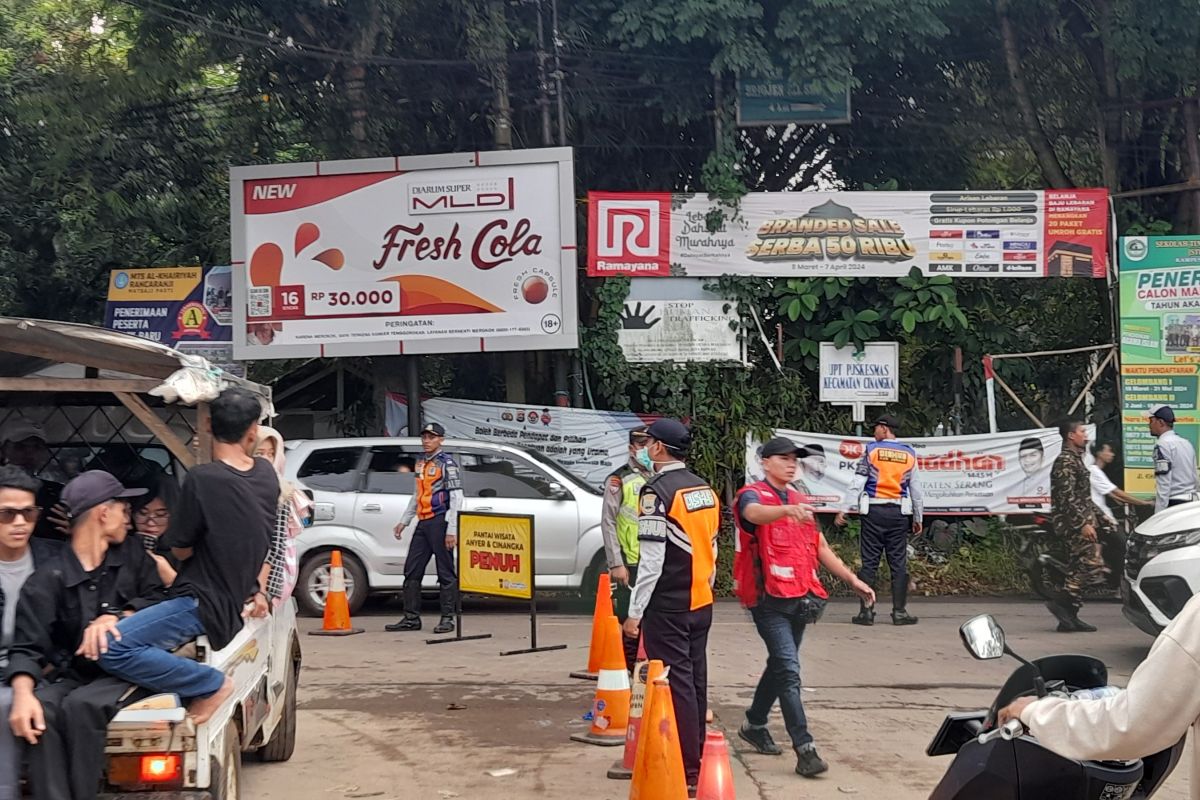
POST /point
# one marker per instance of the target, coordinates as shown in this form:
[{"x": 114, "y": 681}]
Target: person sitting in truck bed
[
  {"x": 221, "y": 532},
  {"x": 62, "y": 702}
]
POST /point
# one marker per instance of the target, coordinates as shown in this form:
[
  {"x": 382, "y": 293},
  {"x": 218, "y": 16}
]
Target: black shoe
[
  {"x": 406, "y": 624},
  {"x": 445, "y": 626},
  {"x": 1083, "y": 627},
  {"x": 902, "y": 617},
  {"x": 866, "y": 616},
  {"x": 760, "y": 739},
  {"x": 1064, "y": 616},
  {"x": 808, "y": 763}
]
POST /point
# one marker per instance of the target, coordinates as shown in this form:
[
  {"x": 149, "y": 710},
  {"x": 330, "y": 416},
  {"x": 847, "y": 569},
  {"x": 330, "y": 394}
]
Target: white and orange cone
[{"x": 337, "y": 607}]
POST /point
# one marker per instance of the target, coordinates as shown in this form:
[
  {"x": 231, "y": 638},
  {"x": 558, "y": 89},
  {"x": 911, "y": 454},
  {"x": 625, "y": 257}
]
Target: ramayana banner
[
  {"x": 590, "y": 444},
  {"x": 388, "y": 256},
  {"x": 1160, "y": 344},
  {"x": 1029, "y": 234},
  {"x": 1004, "y": 473}
]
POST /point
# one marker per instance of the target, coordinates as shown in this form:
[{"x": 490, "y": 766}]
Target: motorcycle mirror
[{"x": 983, "y": 637}]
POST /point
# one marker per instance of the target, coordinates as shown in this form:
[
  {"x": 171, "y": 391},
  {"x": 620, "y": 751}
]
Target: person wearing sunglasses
[
  {"x": 62, "y": 700},
  {"x": 20, "y": 555}
]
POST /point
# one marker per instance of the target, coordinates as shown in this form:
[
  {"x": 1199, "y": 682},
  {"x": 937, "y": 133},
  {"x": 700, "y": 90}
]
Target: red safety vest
[{"x": 779, "y": 559}]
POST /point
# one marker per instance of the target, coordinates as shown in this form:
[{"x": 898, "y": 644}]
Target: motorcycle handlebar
[{"x": 1013, "y": 729}]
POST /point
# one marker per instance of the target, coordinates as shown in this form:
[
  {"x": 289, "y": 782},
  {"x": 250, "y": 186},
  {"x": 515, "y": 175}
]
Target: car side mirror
[
  {"x": 559, "y": 492},
  {"x": 983, "y": 637}
]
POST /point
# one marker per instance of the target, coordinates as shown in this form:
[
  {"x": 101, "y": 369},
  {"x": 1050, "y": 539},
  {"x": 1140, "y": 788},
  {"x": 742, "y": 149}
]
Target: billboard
[
  {"x": 427, "y": 254},
  {"x": 1028, "y": 234},
  {"x": 999, "y": 473},
  {"x": 1160, "y": 345},
  {"x": 188, "y": 308}
]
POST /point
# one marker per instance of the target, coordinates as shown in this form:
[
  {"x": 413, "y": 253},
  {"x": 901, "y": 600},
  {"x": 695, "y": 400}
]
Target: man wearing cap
[
  {"x": 887, "y": 495},
  {"x": 672, "y": 600},
  {"x": 775, "y": 570},
  {"x": 62, "y": 700},
  {"x": 619, "y": 527},
  {"x": 25, "y": 446},
  {"x": 1174, "y": 461},
  {"x": 435, "y": 506}
]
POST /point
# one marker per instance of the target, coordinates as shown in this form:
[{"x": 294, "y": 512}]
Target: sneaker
[
  {"x": 760, "y": 739},
  {"x": 902, "y": 617},
  {"x": 445, "y": 626},
  {"x": 808, "y": 763},
  {"x": 406, "y": 624}
]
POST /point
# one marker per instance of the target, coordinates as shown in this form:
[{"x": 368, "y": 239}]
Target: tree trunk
[
  {"x": 1034, "y": 134},
  {"x": 356, "y": 79}
]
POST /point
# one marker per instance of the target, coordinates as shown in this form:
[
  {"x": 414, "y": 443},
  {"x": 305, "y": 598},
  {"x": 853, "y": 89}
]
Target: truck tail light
[
  {"x": 160, "y": 769},
  {"x": 133, "y": 772}
]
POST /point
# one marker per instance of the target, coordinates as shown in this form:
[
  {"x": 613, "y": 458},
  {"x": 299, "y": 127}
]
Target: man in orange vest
[
  {"x": 779, "y": 548},
  {"x": 677, "y": 536}
]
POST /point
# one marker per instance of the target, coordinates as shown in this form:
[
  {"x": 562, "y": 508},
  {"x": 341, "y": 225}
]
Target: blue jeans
[
  {"x": 142, "y": 655},
  {"x": 782, "y": 633}
]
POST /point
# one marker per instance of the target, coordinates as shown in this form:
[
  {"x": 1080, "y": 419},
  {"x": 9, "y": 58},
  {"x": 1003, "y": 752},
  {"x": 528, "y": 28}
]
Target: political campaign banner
[
  {"x": 965, "y": 234},
  {"x": 1160, "y": 345},
  {"x": 188, "y": 308},
  {"x": 1001, "y": 473},
  {"x": 425, "y": 254},
  {"x": 588, "y": 444},
  {"x": 495, "y": 554}
]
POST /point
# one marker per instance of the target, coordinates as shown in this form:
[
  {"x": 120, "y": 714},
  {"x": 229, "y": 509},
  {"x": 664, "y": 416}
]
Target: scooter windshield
[{"x": 1064, "y": 671}]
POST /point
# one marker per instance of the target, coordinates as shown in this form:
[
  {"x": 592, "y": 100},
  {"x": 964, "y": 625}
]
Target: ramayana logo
[
  {"x": 1134, "y": 248},
  {"x": 630, "y": 235},
  {"x": 461, "y": 197}
]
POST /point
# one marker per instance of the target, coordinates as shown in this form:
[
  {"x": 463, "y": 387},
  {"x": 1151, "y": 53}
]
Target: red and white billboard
[
  {"x": 429, "y": 254},
  {"x": 1019, "y": 234}
]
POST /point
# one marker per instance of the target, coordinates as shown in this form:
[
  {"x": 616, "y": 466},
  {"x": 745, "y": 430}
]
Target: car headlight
[{"x": 1173, "y": 541}]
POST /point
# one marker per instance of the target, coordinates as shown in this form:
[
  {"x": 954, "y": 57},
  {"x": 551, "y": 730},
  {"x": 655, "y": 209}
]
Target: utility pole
[
  {"x": 1191, "y": 130},
  {"x": 543, "y": 80},
  {"x": 558, "y": 74}
]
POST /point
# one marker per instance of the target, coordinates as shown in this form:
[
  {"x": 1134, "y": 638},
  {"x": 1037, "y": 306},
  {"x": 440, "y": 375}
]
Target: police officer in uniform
[
  {"x": 1174, "y": 461},
  {"x": 672, "y": 599},
  {"x": 435, "y": 505},
  {"x": 619, "y": 527},
  {"x": 888, "y": 497}
]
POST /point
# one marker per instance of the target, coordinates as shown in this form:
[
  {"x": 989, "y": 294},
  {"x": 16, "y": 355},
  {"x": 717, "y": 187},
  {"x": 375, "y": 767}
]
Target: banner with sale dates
[
  {"x": 408, "y": 255},
  {"x": 962, "y": 234}
]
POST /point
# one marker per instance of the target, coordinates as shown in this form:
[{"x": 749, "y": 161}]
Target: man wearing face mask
[
  {"x": 619, "y": 527},
  {"x": 672, "y": 599}
]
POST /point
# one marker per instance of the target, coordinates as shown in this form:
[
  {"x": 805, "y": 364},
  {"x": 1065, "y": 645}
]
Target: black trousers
[
  {"x": 621, "y": 597},
  {"x": 885, "y": 530},
  {"x": 429, "y": 541},
  {"x": 68, "y": 760},
  {"x": 680, "y": 641}
]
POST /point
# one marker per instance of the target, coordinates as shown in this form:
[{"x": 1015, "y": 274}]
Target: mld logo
[{"x": 629, "y": 234}]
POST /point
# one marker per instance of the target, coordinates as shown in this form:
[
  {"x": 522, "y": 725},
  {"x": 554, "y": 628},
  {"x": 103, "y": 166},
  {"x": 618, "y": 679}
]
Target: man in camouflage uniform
[{"x": 1074, "y": 517}]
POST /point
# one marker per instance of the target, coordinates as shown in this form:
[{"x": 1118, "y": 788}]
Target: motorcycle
[{"x": 993, "y": 762}]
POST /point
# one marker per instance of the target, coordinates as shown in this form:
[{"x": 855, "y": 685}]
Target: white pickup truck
[{"x": 156, "y": 753}]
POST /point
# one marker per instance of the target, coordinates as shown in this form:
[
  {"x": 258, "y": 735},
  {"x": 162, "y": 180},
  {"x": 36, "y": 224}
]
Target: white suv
[
  {"x": 359, "y": 496},
  {"x": 1162, "y": 567}
]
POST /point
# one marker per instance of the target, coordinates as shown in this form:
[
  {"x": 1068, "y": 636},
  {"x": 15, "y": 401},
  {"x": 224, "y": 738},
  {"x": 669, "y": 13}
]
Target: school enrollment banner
[
  {"x": 1160, "y": 345},
  {"x": 965, "y": 234},
  {"x": 1002, "y": 473}
]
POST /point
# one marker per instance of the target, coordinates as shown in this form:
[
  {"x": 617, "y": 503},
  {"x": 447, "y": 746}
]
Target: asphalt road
[{"x": 387, "y": 716}]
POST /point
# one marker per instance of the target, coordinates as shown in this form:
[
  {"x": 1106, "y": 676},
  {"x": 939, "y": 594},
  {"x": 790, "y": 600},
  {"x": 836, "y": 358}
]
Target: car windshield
[{"x": 563, "y": 471}]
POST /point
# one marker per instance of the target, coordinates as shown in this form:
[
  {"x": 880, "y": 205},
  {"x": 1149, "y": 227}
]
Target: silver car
[{"x": 360, "y": 488}]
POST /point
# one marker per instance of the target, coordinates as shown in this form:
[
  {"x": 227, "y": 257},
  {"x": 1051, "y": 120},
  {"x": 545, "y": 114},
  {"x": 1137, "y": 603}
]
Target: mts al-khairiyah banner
[
  {"x": 424, "y": 254},
  {"x": 996, "y": 473},
  {"x": 589, "y": 444},
  {"x": 1030, "y": 234}
]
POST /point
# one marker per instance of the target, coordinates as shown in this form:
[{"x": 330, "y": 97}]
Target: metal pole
[
  {"x": 412, "y": 388},
  {"x": 543, "y": 83},
  {"x": 558, "y": 74}
]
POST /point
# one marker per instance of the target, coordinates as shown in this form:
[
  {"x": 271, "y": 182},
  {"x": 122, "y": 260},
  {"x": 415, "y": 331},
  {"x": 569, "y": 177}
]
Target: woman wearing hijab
[{"x": 293, "y": 510}]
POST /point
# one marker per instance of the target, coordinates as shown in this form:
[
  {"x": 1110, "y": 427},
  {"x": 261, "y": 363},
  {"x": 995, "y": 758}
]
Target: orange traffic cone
[
  {"x": 603, "y": 610},
  {"x": 716, "y": 774},
  {"x": 337, "y": 609},
  {"x": 644, "y": 676},
  {"x": 610, "y": 710},
  {"x": 658, "y": 773}
]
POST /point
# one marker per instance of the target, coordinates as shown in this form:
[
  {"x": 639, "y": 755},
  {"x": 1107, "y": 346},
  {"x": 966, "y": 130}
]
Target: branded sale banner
[
  {"x": 188, "y": 308},
  {"x": 495, "y": 554},
  {"x": 589, "y": 444},
  {"x": 429, "y": 254},
  {"x": 1160, "y": 345},
  {"x": 1002, "y": 473},
  {"x": 1028, "y": 234}
]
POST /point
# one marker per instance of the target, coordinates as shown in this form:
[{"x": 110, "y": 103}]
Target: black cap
[
  {"x": 89, "y": 489},
  {"x": 782, "y": 446},
  {"x": 638, "y": 433},
  {"x": 1162, "y": 412},
  {"x": 435, "y": 428},
  {"x": 671, "y": 432},
  {"x": 890, "y": 422}
]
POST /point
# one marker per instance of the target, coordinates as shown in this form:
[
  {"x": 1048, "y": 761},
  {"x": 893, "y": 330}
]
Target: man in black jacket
[{"x": 62, "y": 701}]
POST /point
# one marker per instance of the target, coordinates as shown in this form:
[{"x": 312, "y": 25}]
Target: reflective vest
[
  {"x": 779, "y": 559},
  {"x": 627, "y": 518}
]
